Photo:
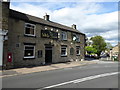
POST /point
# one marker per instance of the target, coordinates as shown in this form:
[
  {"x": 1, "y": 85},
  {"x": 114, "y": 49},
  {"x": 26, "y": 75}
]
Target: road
[{"x": 101, "y": 75}]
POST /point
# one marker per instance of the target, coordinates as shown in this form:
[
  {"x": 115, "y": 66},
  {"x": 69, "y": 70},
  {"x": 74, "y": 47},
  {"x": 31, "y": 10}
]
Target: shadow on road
[{"x": 90, "y": 59}]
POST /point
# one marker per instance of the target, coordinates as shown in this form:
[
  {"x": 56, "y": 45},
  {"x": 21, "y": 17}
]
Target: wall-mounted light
[
  {"x": 45, "y": 28},
  {"x": 51, "y": 29},
  {"x": 57, "y": 30}
]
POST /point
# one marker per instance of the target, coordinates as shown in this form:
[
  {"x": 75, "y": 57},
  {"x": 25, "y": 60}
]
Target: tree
[
  {"x": 99, "y": 44},
  {"x": 90, "y": 50}
]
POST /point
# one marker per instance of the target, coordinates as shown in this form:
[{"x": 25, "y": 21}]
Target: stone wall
[{"x": 17, "y": 39}]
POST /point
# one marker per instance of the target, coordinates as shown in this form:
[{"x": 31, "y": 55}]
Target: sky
[{"x": 91, "y": 17}]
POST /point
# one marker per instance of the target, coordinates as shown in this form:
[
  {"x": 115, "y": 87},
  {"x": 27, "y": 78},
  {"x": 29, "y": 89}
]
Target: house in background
[
  {"x": 114, "y": 52},
  {"x": 32, "y": 41}
]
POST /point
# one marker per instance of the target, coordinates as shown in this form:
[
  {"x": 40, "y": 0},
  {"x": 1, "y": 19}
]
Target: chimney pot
[
  {"x": 74, "y": 26},
  {"x": 46, "y": 17}
]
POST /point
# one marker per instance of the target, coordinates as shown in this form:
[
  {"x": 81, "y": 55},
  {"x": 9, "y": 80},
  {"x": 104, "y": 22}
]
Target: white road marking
[
  {"x": 94, "y": 77},
  {"x": 83, "y": 79}
]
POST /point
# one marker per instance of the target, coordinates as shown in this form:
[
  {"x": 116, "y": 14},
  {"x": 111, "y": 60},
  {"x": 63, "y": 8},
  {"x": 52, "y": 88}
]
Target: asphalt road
[{"x": 101, "y": 75}]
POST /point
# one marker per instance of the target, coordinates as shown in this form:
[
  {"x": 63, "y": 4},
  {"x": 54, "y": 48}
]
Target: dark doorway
[{"x": 48, "y": 55}]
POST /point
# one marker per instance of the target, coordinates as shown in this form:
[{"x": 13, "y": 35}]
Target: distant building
[
  {"x": 115, "y": 51},
  {"x": 30, "y": 41}
]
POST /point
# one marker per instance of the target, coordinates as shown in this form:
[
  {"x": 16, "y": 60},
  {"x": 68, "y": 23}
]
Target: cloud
[
  {"x": 88, "y": 16},
  {"x": 34, "y": 10},
  {"x": 101, "y": 23},
  {"x": 110, "y": 35}
]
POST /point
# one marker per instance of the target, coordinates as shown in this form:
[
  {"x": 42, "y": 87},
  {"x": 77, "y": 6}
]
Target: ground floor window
[
  {"x": 63, "y": 50},
  {"x": 77, "y": 50},
  {"x": 71, "y": 51},
  {"x": 29, "y": 51}
]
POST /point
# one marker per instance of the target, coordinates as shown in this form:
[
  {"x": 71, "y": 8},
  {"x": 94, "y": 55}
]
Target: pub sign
[{"x": 49, "y": 34}]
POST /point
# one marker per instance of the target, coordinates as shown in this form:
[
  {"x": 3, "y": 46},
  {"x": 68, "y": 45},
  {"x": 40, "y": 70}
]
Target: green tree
[
  {"x": 90, "y": 50},
  {"x": 99, "y": 44}
]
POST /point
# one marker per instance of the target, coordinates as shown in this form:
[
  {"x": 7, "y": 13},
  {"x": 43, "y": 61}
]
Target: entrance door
[{"x": 48, "y": 55}]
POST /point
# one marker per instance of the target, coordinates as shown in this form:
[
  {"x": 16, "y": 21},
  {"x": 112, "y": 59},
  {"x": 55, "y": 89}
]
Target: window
[
  {"x": 77, "y": 50},
  {"x": 64, "y": 35},
  {"x": 76, "y": 38},
  {"x": 71, "y": 51},
  {"x": 29, "y": 51},
  {"x": 63, "y": 50},
  {"x": 29, "y": 29}
]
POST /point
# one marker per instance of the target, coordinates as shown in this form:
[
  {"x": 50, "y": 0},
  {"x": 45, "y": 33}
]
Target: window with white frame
[
  {"x": 29, "y": 51},
  {"x": 64, "y": 35},
  {"x": 77, "y": 50},
  {"x": 76, "y": 38},
  {"x": 29, "y": 29},
  {"x": 63, "y": 50}
]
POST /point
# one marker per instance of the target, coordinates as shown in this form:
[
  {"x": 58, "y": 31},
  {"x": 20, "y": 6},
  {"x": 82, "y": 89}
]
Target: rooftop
[{"x": 36, "y": 20}]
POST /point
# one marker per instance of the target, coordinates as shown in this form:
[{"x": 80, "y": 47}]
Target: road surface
[{"x": 101, "y": 75}]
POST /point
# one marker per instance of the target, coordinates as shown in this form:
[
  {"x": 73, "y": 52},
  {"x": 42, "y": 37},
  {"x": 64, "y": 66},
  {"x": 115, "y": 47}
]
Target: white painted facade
[{"x": 2, "y": 35}]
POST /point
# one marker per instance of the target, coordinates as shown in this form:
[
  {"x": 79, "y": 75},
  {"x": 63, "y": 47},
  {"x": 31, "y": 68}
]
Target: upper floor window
[
  {"x": 64, "y": 35},
  {"x": 76, "y": 38},
  {"x": 29, "y": 29}
]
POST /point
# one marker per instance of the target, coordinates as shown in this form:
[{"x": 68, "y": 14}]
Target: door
[{"x": 48, "y": 55}]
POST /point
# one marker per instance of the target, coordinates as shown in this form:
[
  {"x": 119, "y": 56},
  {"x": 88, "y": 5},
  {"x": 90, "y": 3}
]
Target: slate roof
[{"x": 30, "y": 18}]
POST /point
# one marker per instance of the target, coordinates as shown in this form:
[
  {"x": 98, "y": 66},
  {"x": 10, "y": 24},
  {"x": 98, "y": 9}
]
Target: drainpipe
[{"x": 3, "y": 36}]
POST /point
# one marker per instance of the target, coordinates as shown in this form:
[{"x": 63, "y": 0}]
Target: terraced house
[{"x": 32, "y": 41}]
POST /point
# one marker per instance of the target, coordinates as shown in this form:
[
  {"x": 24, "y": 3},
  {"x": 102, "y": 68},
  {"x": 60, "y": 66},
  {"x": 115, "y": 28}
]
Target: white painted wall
[
  {"x": 1, "y": 47},
  {"x": 2, "y": 34}
]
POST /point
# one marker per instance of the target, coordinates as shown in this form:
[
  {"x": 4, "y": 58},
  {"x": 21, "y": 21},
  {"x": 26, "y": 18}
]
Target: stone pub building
[{"x": 33, "y": 41}]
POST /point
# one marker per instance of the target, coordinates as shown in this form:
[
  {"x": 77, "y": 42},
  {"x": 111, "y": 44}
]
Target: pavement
[{"x": 20, "y": 71}]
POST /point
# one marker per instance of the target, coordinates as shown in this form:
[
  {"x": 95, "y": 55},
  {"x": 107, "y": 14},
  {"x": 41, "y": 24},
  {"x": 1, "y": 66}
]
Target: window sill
[
  {"x": 26, "y": 58},
  {"x": 29, "y": 35},
  {"x": 63, "y": 55},
  {"x": 78, "y": 55}
]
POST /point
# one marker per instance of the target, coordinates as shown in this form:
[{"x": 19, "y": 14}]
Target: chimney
[
  {"x": 46, "y": 17},
  {"x": 74, "y": 26}
]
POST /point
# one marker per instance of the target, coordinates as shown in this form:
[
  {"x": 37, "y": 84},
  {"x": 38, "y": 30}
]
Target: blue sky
[
  {"x": 108, "y": 6},
  {"x": 91, "y": 18}
]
